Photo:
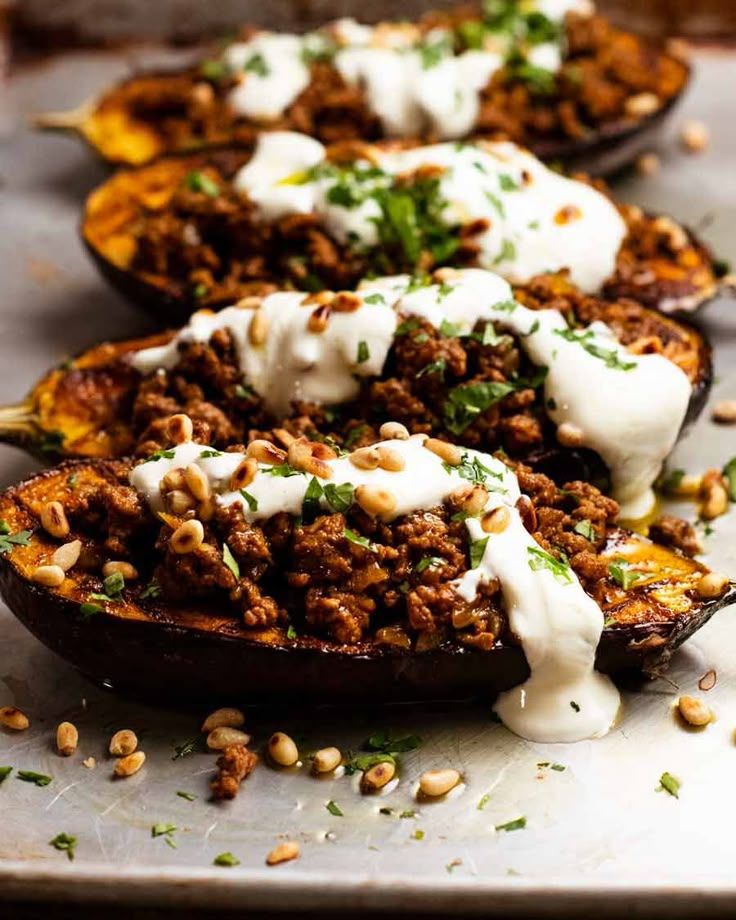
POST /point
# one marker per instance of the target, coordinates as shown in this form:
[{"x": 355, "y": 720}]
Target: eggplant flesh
[
  {"x": 677, "y": 275},
  {"x": 198, "y": 652}
]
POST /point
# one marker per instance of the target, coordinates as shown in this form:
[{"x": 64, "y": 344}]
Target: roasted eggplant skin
[
  {"x": 80, "y": 410},
  {"x": 114, "y": 209},
  {"x": 146, "y": 647}
]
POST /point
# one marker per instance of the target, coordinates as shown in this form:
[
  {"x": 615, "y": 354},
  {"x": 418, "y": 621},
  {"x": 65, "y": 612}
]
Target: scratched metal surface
[{"x": 597, "y": 832}]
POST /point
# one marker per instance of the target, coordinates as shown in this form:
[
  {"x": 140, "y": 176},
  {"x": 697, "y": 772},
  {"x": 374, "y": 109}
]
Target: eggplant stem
[
  {"x": 68, "y": 120},
  {"x": 17, "y": 422}
]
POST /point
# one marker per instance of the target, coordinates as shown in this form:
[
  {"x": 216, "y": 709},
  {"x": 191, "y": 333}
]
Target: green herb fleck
[
  {"x": 242, "y": 391},
  {"x": 210, "y": 452},
  {"x": 507, "y": 253},
  {"x": 585, "y": 529},
  {"x": 197, "y": 181},
  {"x": 670, "y": 784},
  {"x": 226, "y": 859},
  {"x": 477, "y": 550},
  {"x": 163, "y": 829},
  {"x": 152, "y": 589},
  {"x": 418, "y": 835},
  {"x": 358, "y": 539},
  {"x": 621, "y": 572},
  {"x": 586, "y": 338},
  {"x": 214, "y": 70},
  {"x": 483, "y": 801},
  {"x": 334, "y": 809},
  {"x": 729, "y": 472},
  {"x": 363, "y": 352},
  {"x": 189, "y": 796},
  {"x": 230, "y": 561},
  {"x": 256, "y": 64},
  {"x": 38, "y": 779},
  {"x": 408, "y": 813},
  {"x": 65, "y": 843},
  {"x": 9, "y": 540},
  {"x": 90, "y": 610},
  {"x": 539, "y": 559},
  {"x": 291, "y": 633},
  {"x": 250, "y": 499},
  {"x": 339, "y": 496},
  {"x": 187, "y": 747},
  {"x": 167, "y": 454},
  {"x": 516, "y": 825},
  {"x": 114, "y": 584},
  {"x": 434, "y": 367},
  {"x": 284, "y": 469},
  {"x": 508, "y": 183},
  {"x": 374, "y": 298},
  {"x": 426, "y": 561}
]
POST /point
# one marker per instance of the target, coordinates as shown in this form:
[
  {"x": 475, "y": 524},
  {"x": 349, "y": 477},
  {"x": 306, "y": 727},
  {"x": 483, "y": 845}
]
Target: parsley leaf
[
  {"x": 189, "y": 796},
  {"x": 516, "y": 825},
  {"x": 9, "y": 540},
  {"x": 339, "y": 496},
  {"x": 29, "y": 776},
  {"x": 197, "y": 181},
  {"x": 585, "y": 529},
  {"x": 226, "y": 859},
  {"x": 66, "y": 843},
  {"x": 230, "y": 561},
  {"x": 621, "y": 572},
  {"x": 334, "y": 809},
  {"x": 363, "y": 352},
  {"x": 477, "y": 549},
  {"x": 5, "y": 773},
  {"x": 670, "y": 784},
  {"x": 729, "y": 471},
  {"x": 358, "y": 539},
  {"x": 586, "y": 339},
  {"x": 167, "y": 454},
  {"x": 256, "y": 64},
  {"x": 250, "y": 499},
  {"x": 539, "y": 559},
  {"x": 426, "y": 561}
]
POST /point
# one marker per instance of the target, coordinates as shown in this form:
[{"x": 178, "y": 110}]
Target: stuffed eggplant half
[
  {"x": 575, "y": 386},
  {"x": 201, "y": 230},
  {"x": 552, "y": 76},
  {"x": 433, "y": 571}
]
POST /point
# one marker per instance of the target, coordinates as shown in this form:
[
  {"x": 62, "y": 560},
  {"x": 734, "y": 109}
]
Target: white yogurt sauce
[
  {"x": 410, "y": 89},
  {"x": 558, "y": 624},
  {"x": 628, "y": 408},
  {"x": 537, "y": 219}
]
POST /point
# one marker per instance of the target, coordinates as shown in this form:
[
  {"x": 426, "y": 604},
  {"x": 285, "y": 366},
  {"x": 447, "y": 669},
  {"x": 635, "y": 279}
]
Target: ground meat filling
[
  {"x": 346, "y": 577},
  {"x": 604, "y": 67}
]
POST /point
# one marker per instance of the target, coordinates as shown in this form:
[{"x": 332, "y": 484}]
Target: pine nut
[
  {"x": 677, "y": 238},
  {"x": 695, "y": 136},
  {"x": 318, "y": 319},
  {"x": 496, "y": 521},
  {"x": 346, "y": 302},
  {"x": 284, "y": 436},
  {"x": 203, "y": 94},
  {"x": 299, "y": 453},
  {"x": 197, "y": 482},
  {"x": 475, "y": 500},
  {"x": 711, "y": 585},
  {"x": 53, "y": 520},
  {"x": 648, "y": 164},
  {"x": 694, "y": 711},
  {"x": 527, "y": 513},
  {"x": 326, "y": 760},
  {"x": 389, "y": 459},
  {"x": 67, "y": 555},
  {"x": 318, "y": 298},
  {"x": 375, "y": 501},
  {"x": 322, "y": 451},
  {"x": 128, "y": 571},
  {"x": 219, "y": 738},
  {"x": 724, "y": 412},
  {"x": 438, "y": 782},
  {"x": 378, "y": 776},
  {"x": 251, "y": 302},
  {"x": 448, "y": 453},
  {"x": 226, "y": 717},
  {"x": 179, "y": 428},
  {"x": 641, "y": 104},
  {"x": 67, "y": 739},
  {"x": 50, "y": 576},
  {"x": 265, "y": 452},
  {"x": 365, "y": 458},
  {"x": 394, "y": 430},
  {"x": 715, "y": 503},
  {"x": 569, "y": 435},
  {"x": 129, "y": 765},
  {"x": 187, "y": 537},
  {"x": 283, "y": 852},
  {"x": 446, "y": 273},
  {"x": 174, "y": 480},
  {"x": 283, "y": 750},
  {"x": 123, "y": 743},
  {"x": 179, "y": 502},
  {"x": 14, "y": 718},
  {"x": 258, "y": 328},
  {"x": 243, "y": 474}
]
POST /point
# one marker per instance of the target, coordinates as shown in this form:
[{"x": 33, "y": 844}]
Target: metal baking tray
[{"x": 598, "y": 836}]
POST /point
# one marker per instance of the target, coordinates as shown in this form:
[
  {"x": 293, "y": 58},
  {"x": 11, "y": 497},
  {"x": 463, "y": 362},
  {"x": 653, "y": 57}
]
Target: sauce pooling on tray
[
  {"x": 414, "y": 82},
  {"x": 524, "y": 218},
  {"x": 558, "y": 624},
  {"x": 628, "y": 408}
]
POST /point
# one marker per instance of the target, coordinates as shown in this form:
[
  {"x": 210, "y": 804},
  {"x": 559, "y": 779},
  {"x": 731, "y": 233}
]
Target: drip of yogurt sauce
[
  {"x": 413, "y": 83},
  {"x": 537, "y": 220},
  {"x": 628, "y": 408},
  {"x": 558, "y": 624}
]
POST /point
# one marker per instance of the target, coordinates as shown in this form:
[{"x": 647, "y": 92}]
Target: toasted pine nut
[
  {"x": 569, "y": 435},
  {"x": 283, "y": 750},
  {"x": 12, "y": 717},
  {"x": 715, "y": 503},
  {"x": 365, "y": 458},
  {"x": 265, "y": 452},
  {"x": 128, "y": 571},
  {"x": 197, "y": 482},
  {"x": 695, "y": 136},
  {"x": 317, "y": 298},
  {"x": 326, "y": 760},
  {"x": 394, "y": 430},
  {"x": 207, "y": 508},
  {"x": 677, "y": 237},
  {"x": 179, "y": 502},
  {"x": 438, "y": 782},
  {"x": 283, "y": 852},
  {"x": 318, "y": 319},
  {"x": 475, "y": 500},
  {"x": 129, "y": 765},
  {"x": 449, "y": 453},
  {"x": 648, "y": 164},
  {"x": 251, "y": 302},
  {"x": 496, "y": 521},
  {"x": 174, "y": 480},
  {"x": 527, "y": 512},
  {"x": 203, "y": 94},
  {"x": 446, "y": 273},
  {"x": 375, "y": 500},
  {"x": 219, "y": 738},
  {"x": 298, "y": 453},
  {"x": 346, "y": 302},
  {"x": 67, "y": 739},
  {"x": 67, "y": 555},
  {"x": 123, "y": 742},
  {"x": 226, "y": 717},
  {"x": 724, "y": 412},
  {"x": 179, "y": 428},
  {"x": 53, "y": 520},
  {"x": 258, "y": 328},
  {"x": 641, "y": 104},
  {"x": 187, "y": 537},
  {"x": 322, "y": 451},
  {"x": 50, "y": 576},
  {"x": 378, "y": 776},
  {"x": 711, "y": 585},
  {"x": 243, "y": 474},
  {"x": 694, "y": 711},
  {"x": 284, "y": 436},
  {"x": 389, "y": 459}
]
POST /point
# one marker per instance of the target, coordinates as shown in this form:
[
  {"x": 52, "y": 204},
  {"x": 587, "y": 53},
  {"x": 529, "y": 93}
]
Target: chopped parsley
[
  {"x": 283, "y": 469},
  {"x": 585, "y": 529},
  {"x": 65, "y": 843},
  {"x": 230, "y": 561},
  {"x": 226, "y": 859},
  {"x": 187, "y": 747},
  {"x": 312, "y": 495},
  {"x": 197, "y": 181},
  {"x": 5, "y": 773},
  {"x": 408, "y": 813},
  {"x": 432, "y": 52},
  {"x": 334, "y": 809},
  {"x": 621, "y": 572},
  {"x": 9, "y": 540},
  {"x": 729, "y": 472},
  {"x": 29, "y": 776},
  {"x": 189, "y": 796},
  {"x": 214, "y": 70},
  {"x": 496, "y": 202},
  {"x": 165, "y": 830},
  {"x": 152, "y": 589},
  {"x": 250, "y": 499},
  {"x": 90, "y": 610},
  {"x": 210, "y": 452},
  {"x": 381, "y": 748},
  {"x": 508, "y": 183},
  {"x": 426, "y": 561},
  {"x": 291, "y": 633},
  {"x": 339, "y": 496},
  {"x": 374, "y": 298},
  {"x": 586, "y": 339},
  {"x": 363, "y": 352},
  {"x": 418, "y": 835},
  {"x": 243, "y": 391},
  {"x": 670, "y": 784},
  {"x": 539, "y": 559},
  {"x": 516, "y": 825},
  {"x": 114, "y": 584},
  {"x": 434, "y": 367},
  {"x": 507, "y": 252},
  {"x": 483, "y": 801},
  {"x": 358, "y": 539},
  {"x": 477, "y": 549},
  {"x": 167, "y": 454},
  {"x": 468, "y": 401},
  {"x": 256, "y": 64}
]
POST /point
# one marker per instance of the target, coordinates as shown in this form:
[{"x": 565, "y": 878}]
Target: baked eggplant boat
[
  {"x": 556, "y": 378},
  {"x": 200, "y": 230},
  {"x": 409, "y": 569},
  {"x": 551, "y": 76}
]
